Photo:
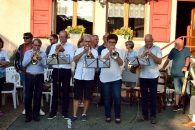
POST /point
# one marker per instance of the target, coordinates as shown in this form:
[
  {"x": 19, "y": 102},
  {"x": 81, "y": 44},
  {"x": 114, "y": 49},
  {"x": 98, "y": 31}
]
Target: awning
[{"x": 130, "y": 1}]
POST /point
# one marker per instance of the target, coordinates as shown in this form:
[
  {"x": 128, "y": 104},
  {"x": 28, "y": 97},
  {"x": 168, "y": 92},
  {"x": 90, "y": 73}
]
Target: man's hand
[{"x": 184, "y": 69}]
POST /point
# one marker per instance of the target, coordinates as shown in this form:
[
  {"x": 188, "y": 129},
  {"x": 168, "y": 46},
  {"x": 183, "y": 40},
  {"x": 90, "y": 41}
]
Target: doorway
[{"x": 183, "y": 17}]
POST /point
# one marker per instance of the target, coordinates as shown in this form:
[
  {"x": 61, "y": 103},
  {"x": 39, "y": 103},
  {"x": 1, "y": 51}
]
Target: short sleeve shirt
[
  {"x": 178, "y": 58},
  {"x": 151, "y": 71}
]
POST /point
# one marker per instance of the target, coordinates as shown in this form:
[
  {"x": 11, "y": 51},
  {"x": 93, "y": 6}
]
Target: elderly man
[
  {"x": 181, "y": 60},
  {"x": 149, "y": 77},
  {"x": 83, "y": 77}
]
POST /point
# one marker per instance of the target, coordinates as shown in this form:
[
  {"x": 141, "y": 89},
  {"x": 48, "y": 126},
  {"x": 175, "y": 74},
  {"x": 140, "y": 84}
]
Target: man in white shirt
[
  {"x": 83, "y": 77},
  {"x": 111, "y": 78},
  {"x": 149, "y": 77},
  {"x": 61, "y": 75}
]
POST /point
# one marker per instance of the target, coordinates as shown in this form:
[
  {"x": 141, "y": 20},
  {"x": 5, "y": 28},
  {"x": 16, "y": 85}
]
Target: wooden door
[
  {"x": 41, "y": 13},
  {"x": 192, "y": 32},
  {"x": 160, "y": 19}
]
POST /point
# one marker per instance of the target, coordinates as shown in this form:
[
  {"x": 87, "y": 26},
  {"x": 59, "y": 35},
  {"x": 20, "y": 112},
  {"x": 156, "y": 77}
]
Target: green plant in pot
[{"x": 124, "y": 31}]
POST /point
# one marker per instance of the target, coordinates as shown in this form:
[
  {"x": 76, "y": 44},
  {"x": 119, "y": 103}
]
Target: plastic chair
[
  {"x": 10, "y": 85},
  {"x": 48, "y": 86}
]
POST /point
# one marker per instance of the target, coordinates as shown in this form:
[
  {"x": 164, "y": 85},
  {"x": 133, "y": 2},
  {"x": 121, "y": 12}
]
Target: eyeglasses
[
  {"x": 88, "y": 41},
  {"x": 26, "y": 37},
  {"x": 127, "y": 44},
  {"x": 36, "y": 45}
]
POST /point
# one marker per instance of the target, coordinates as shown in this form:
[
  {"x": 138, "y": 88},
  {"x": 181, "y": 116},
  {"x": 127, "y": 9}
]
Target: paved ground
[{"x": 167, "y": 120}]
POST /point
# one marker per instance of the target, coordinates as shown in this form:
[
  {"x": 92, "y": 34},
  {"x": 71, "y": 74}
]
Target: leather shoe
[
  {"x": 189, "y": 124},
  {"x": 108, "y": 120},
  {"x": 153, "y": 120},
  {"x": 36, "y": 118},
  {"x": 117, "y": 120},
  {"x": 28, "y": 119}
]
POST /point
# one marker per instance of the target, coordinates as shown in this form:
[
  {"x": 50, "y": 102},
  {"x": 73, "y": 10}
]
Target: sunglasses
[{"x": 26, "y": 37}]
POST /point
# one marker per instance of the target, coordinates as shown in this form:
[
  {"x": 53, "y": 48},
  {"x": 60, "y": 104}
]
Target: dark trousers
[
  {"x": 2, "y": 81},
  {"x": 33, "y": 90},
  {"x": 112, "y": 92},
  {"x": 149, "y": 93},
  {"x": 61, "y": 84}
]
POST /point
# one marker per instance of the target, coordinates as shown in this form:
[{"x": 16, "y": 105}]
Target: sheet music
[
  {"x": 62, "y": 59},
  {"x": 138, "y": 61}
]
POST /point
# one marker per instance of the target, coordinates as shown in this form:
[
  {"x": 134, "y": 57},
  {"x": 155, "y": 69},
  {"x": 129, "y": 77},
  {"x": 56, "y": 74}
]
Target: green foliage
[
  {"x": 76, "y": 29},
  {"x": 126, "y": 32},
  {"x": 12, "y": 58}
]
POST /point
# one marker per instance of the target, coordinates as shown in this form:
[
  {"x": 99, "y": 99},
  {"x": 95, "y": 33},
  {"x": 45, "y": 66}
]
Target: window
[
  {"x": 85, "y": 15},
  {"x": 64, "y": 14},
  {"x": 136, "y": 19},
  {"x": 115, "y": 16},
  {"x": 126, "y": 14}
]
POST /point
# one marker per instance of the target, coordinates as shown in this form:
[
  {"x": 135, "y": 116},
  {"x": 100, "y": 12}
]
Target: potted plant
[
  {"x": 75, "y": 29},
  {"x": 75, "y": 32},
  {"x": 123, "y": 31}
]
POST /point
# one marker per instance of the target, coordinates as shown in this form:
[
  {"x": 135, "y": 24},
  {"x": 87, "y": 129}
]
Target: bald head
[
  {"x": 179, "y": 44},
  {"x": 148, "y": 40}
]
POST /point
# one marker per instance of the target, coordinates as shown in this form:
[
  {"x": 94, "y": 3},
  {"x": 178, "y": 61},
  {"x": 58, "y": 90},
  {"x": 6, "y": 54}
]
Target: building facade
[{"x": 44, "y": 17}]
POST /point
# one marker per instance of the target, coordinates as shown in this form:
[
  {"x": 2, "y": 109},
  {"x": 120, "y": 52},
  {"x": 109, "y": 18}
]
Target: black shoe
[
  {"x": 108, "y": 119},
  {"x": 73, "y": 118},
  {"x": 36, "y": 118},
  {"x": 28, "y": 119},
  {"x": 145, "y": 117},
  {"x": 51, "y": 116},
  {"x": 84, "y": 117},
  {"x": 66, "y": 117},
  {"x": 153, "y": 120},
  {"x": 100, "y": 104},
  {"x": 176, "y": 108}
]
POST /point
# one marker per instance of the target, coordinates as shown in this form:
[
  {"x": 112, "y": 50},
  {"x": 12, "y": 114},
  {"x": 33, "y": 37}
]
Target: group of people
[{"x": 31, "y": 61}]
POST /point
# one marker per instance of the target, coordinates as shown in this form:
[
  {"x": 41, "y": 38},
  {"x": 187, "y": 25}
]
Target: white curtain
[
  {"x": 136, "y": 10},
  {"x": 65, "y": 7},
  {"x": 130, "y": 1},
  {"x": 115, "y": 10}
]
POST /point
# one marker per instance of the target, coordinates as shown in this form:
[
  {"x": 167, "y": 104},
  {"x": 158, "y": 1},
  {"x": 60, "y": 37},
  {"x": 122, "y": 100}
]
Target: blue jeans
[
  {"x": 148, "y": 91},
  {"x": 178, "y": 82},
  {"x": 112, "y": 91},
  {"x": 23, "y": 80}
]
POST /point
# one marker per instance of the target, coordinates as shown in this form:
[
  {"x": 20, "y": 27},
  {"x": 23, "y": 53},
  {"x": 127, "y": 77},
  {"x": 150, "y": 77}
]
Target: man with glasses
[
  {"x": 27, "y": 45},
  {"x": 83, "y": 77},
  {"x": 53, "y": 39},
  {"x": 61, "y": 75},
  {"x": 34, "y": 61}
]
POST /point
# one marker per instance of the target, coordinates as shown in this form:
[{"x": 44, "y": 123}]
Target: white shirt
[
  {"x": 69, "y": 49},
  {"x": 114, "y": 72},
  {"x": 82, "y": 73},
  {"x": 151, "y": 71}
]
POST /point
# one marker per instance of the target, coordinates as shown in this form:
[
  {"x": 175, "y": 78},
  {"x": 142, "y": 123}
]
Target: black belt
[{"x": 33, "y": 74}]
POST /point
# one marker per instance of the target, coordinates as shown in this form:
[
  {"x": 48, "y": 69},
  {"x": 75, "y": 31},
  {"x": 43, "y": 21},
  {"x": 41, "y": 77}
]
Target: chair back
[{"x": 48, "y": 74}]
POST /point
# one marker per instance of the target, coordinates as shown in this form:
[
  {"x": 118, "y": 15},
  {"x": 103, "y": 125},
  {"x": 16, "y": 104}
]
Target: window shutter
[
  {"x": 41, "y": 13},
  {"x": 160, "y": 16}
]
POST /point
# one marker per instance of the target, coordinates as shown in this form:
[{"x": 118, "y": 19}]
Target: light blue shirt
[
  {"x": 3, "y": 57},
  {"x": 37, "y": 68}
]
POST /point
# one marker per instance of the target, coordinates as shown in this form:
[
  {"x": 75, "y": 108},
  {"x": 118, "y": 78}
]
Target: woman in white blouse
[
  {"x": 111, "y": 79},
  {"x": 4, "y": 61}
]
